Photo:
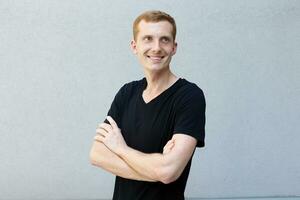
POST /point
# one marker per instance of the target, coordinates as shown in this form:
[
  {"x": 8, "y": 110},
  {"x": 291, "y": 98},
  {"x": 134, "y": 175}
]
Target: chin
[{"x": 156, "y": 67}]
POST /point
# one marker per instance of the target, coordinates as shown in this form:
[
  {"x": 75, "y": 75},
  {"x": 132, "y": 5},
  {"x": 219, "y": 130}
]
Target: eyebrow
[
  {"x": 164, "y": 36},
  {"x": 167, "y": 37},
  {"x": 147, "y": 36}
]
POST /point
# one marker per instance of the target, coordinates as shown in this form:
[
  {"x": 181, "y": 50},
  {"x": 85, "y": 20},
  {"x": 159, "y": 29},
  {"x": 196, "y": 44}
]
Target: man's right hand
[{"x": 168, "y": 147}]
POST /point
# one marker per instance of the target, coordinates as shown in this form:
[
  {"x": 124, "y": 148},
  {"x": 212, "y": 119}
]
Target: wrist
[{"x": 123, "y": 151}]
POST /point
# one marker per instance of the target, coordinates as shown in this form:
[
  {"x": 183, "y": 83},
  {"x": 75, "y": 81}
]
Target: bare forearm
[
  {"x": 165, "y": 167},
  {"x": 153, "y": 165},
  {"x": 102, "y": 157}
]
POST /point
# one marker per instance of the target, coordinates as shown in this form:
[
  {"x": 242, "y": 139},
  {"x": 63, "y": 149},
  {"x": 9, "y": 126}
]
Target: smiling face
[{"x": 154, "y": 45}]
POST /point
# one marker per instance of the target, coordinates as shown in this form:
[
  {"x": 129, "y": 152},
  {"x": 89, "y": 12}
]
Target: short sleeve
[
  {"x": 190, "y": 115},
  {"x": 115, "y": 109}
]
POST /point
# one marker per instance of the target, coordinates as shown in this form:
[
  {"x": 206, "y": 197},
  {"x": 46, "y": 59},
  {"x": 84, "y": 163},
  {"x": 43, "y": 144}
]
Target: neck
[{"x": 159, "y": 81}]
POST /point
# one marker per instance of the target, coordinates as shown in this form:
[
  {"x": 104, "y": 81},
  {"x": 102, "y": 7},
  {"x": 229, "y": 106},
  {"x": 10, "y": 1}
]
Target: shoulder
[
  {"x": 128, "y": 89},
  {"x": 189, "y": 91},
  {"x": 132, "y": 86},
  {"x": 126, "y": 92}
]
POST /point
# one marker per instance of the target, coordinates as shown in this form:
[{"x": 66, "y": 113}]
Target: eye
[
  {"x": 165, "y": 39},
  {"x": 147, "y": 38}
]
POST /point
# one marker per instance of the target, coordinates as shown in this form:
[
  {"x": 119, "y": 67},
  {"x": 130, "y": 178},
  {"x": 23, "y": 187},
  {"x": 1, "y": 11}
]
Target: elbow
[
  {"x": 95, "y": 159},
  {"x": 167, "y": 175},
  {"x": 92, "y": 158}
]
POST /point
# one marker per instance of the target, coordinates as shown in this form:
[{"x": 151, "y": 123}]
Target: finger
[
  {"x": 112, "y": 122},
  {"x": 167, "y": 150},
  {"x": 169, "y": 142},
  {"x": 99, "y": 138},
  {"x": 106, "y": 127},
  {"x": 102, "y": 124},
  {"x": 102, "y": 132},
  {"x": 169, "y": 146}
]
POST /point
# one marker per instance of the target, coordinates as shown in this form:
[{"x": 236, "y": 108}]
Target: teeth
[{"x": 155, "y": 57}]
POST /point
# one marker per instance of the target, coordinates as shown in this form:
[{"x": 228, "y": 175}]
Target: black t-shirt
[{"x": 147, "y": 127}]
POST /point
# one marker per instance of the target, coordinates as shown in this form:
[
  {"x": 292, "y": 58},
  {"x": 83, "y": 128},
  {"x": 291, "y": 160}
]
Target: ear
[
  {"x": 133, "y": 46},
  {"x": 174, "y": 48}
]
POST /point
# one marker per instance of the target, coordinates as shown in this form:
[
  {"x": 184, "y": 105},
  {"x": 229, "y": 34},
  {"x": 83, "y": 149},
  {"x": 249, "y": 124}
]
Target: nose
[{"x": 156, "y": 46}]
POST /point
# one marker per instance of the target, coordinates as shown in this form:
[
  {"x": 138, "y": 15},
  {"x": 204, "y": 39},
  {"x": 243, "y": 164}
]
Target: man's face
[{"x": 154, "y": 45}]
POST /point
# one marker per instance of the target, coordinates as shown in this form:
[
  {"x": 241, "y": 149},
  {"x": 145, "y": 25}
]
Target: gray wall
[{"x": 61, "y": 63}]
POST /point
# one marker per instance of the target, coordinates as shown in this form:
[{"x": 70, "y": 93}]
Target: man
[{"x": 154, "y": 124}]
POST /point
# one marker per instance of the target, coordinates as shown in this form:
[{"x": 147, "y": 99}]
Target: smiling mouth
[{"x": 155, "y": 58}]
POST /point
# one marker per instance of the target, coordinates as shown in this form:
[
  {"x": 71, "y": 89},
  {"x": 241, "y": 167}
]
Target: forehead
[{"x": 161, "y": 28}]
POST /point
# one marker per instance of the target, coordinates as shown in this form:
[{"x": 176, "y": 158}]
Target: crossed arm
[
  {"x": 101, "y": 156},
  {"x": 111, "y": 153}
]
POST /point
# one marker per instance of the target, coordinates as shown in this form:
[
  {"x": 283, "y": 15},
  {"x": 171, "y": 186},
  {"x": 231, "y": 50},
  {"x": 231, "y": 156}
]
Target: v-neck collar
[{"x": 144, "y": 85}]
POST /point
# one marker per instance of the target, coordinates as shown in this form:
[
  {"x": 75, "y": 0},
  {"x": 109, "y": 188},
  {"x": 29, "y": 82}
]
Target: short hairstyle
[{"x": 153, "y": 16}]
